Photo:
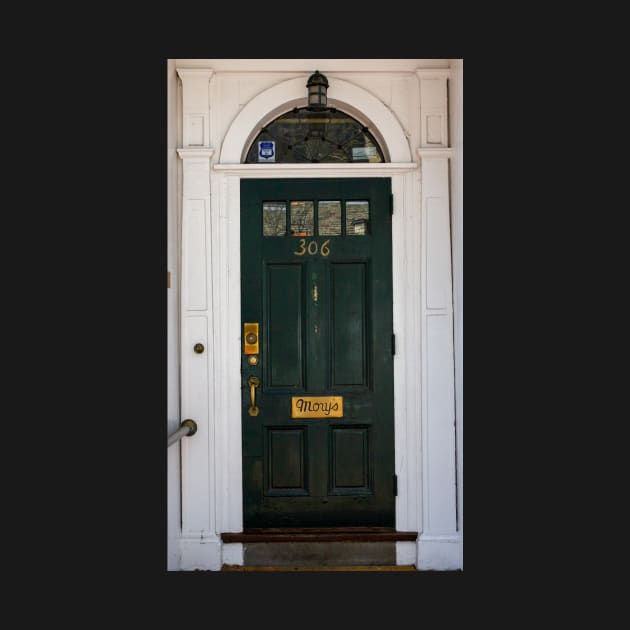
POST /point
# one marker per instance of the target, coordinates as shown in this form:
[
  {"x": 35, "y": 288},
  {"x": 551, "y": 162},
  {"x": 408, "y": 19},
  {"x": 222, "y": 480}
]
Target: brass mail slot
[{"x": 317, "y": 406}]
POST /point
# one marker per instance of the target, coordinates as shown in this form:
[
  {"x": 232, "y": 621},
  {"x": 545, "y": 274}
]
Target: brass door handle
[{"x": 253, "y": 383}]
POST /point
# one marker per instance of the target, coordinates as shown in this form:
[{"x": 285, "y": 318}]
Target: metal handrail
[{"x": 187, "y": 427}]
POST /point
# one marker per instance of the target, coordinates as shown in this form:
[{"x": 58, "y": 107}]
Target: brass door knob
[
  {"x": 251, "y": 338},
  {"x": 253, "y": 383},
  {"x": 198, "y": 348}
]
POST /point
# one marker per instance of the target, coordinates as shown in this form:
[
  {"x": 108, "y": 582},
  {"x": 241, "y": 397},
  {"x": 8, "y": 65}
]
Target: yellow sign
[{"x": 317, "y": 406}]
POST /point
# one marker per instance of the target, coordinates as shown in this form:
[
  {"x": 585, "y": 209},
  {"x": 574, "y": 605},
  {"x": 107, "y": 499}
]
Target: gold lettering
[
  {"x": 303, "y": 246},
  {"x": 317, "y": 406},
  {"x": 313, "y": 247}
]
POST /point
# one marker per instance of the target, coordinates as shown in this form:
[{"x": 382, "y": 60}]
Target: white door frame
[{"x": 422, "y": 309}]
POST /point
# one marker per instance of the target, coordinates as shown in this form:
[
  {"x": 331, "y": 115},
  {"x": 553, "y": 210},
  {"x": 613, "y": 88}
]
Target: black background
[{"x": 87, "y": 378}]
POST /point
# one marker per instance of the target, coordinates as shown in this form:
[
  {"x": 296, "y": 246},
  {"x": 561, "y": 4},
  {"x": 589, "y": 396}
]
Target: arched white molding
[{"x": 342, "y": 94}]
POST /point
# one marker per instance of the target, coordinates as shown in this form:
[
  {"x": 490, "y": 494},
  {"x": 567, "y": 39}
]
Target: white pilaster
[
  {"x": 201, "y": 549},
  {"x": 439, "y": 543}
]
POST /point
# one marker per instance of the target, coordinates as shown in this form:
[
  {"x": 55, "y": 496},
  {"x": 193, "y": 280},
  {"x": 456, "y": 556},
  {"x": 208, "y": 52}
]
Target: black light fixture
[{"x": 317, "y": 86}]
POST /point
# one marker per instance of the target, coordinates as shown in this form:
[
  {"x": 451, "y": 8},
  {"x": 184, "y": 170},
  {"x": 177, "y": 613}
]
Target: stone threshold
[{"x": 318, "y": 534}]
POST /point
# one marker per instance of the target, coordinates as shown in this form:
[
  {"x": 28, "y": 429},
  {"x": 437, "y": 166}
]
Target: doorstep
[{"x": 318, "y": 534}]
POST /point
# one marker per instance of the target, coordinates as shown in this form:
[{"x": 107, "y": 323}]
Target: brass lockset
[
  {"x": 253, "y": 383},
  {"x": 250, "y": 338},
  {"x": 251, "y": 347}
]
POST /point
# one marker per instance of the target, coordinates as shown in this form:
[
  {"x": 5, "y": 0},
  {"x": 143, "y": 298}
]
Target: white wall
[
  {"x": 173, "y": 419},
  {"x": 456, "y": 107}
]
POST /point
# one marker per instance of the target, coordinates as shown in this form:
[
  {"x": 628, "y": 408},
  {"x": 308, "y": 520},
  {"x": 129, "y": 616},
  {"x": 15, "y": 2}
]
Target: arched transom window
[{"x": 302, "y": 135}]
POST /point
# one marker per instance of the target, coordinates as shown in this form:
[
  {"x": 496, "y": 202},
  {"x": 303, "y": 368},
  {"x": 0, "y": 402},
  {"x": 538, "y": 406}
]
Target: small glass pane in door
[
  {"x": 301, "y": 218},
  {"x": 357, "y": 218},
  {"x": 274, "y": 218},
  {"x": 329, "y": 218}
]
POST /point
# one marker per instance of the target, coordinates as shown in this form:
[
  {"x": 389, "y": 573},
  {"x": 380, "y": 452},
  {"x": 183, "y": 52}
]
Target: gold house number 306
[{"x": 312, "y": 248}]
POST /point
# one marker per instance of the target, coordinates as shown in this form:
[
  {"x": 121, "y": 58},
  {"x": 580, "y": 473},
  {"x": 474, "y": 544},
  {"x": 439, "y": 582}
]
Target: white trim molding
[
  {"x": 315, "y": 170},
  {"x": 343, "y": 94},
  {"x": 225, "y": 340},
  {"x": 250, "y": 66}
]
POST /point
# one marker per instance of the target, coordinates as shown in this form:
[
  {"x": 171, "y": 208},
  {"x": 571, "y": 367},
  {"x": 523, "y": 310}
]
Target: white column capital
[
  {"x": 435, "y": 153},
  {"x": 433, "y": 73},
  {"x": 196, "y": 167},
  {"x": 187, "y": 154},
  {"x": 197, "y": 73}
]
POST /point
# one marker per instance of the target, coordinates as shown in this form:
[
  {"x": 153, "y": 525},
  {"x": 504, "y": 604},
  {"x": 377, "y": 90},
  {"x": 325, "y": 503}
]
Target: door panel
[
  {"x": 284, "y": 325},
  {"x": 316, "y": 276},
  {"x": 350, "y": 460},
  {"x": 286, "y": 459},
  {"x": 349, "y": 325}
]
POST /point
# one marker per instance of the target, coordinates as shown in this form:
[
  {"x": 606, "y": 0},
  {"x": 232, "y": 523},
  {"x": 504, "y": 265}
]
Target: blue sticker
[{"x": 267, "y": 151}]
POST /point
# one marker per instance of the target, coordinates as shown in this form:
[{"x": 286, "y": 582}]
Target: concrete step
[
  {"x": 319, "y": 547},
  {"x": 319, "y": 553}
]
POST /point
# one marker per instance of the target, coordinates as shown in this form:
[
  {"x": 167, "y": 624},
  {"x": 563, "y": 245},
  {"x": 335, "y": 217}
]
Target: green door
[{"x": 316, "y": 276}]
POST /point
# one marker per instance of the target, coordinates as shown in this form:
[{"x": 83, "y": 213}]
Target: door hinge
[
  {"x": 391, "y": 203},
  {"x": 395, "y": 485},
  {"x": 393, "y": 344}
]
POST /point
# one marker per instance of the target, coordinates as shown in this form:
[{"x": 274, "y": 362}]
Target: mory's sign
[{"x": 317, "y": 406}]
